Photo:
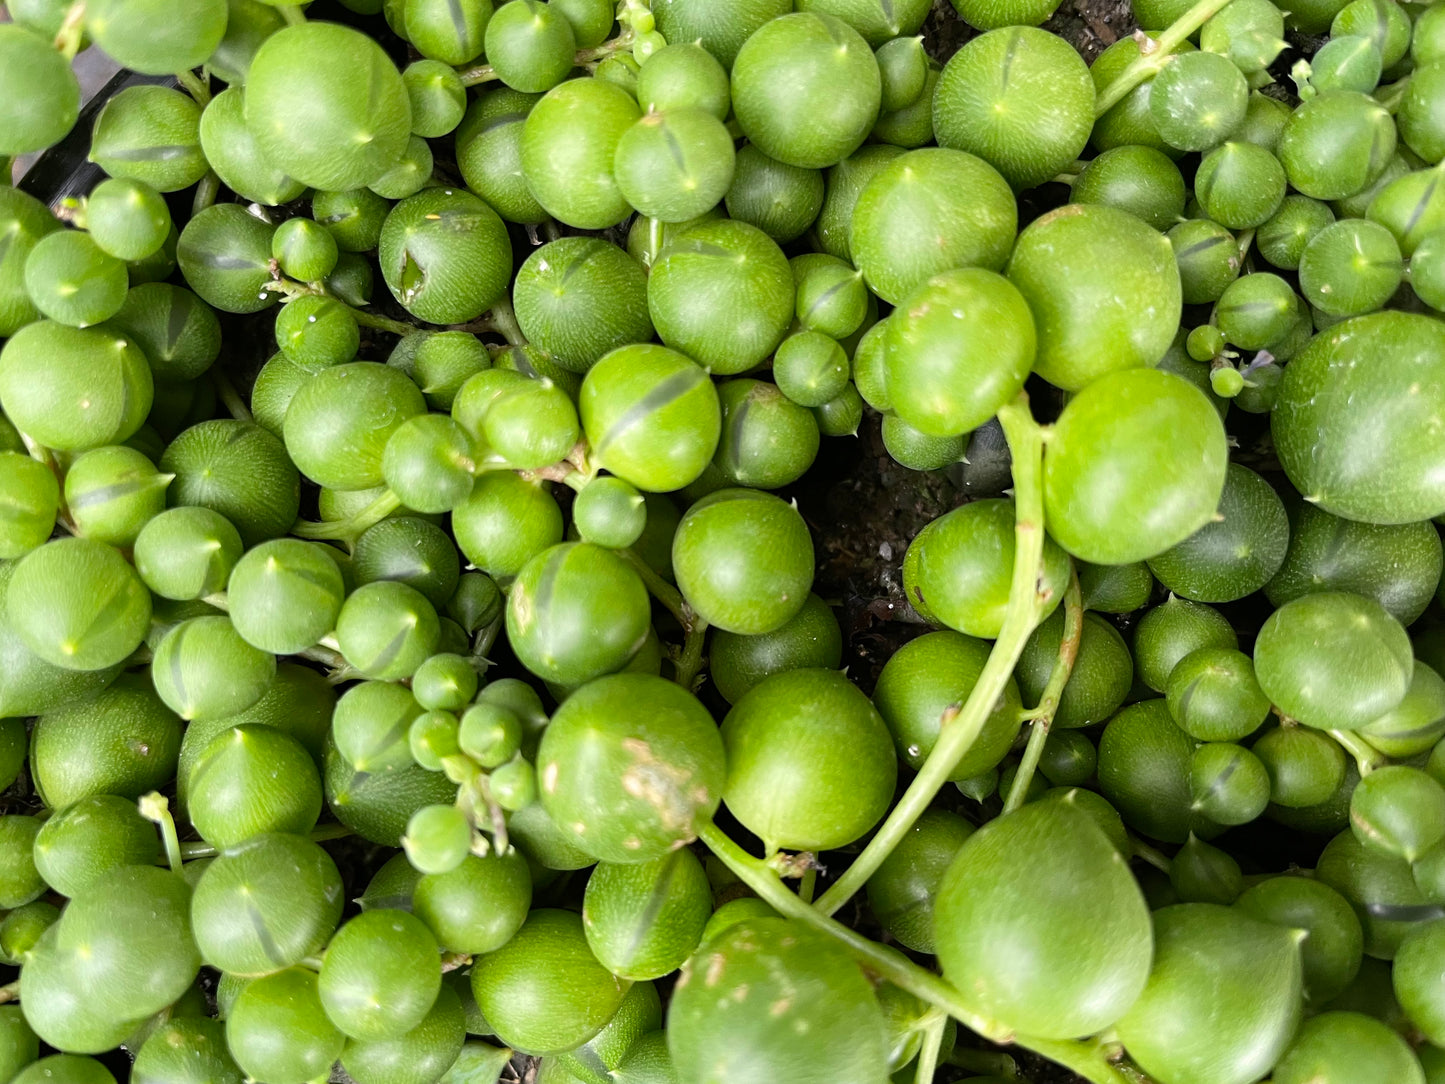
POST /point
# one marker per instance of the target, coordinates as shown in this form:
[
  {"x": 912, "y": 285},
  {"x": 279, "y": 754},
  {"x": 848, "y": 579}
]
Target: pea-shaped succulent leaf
[
  {"x": 71, "y": 280},
  {"x": 675, "y": 165},
  {"x": 544, "y": 991},
  {"x": 1201, "y": 951},
  {"x": 285, "y": 595},
  {"x": 239, "y": 470},
  {"x": 225, "y": 256},
  {"x": 380, "y": 975},
  {"x": 1099, "y": 683},
  {"x": 445, "y": 255},
  {"x": 339, "y": 421},
  {"x": 276, "y": 1028},
  {"x": 376, "y": 805},
  {"x": 1197, "y": 100},
  {"x": 569, "y": 140},
  {"x": 252, "y": 779},
  {"x": 1207, "y": 256},
  {"x": 204, "y": 669},
  {"x": 839, "y": 79},
  {"x": 186, "y": 1050},
  {"x": 1027, "y": 116},
  {"x": 177, "y": 331},
  {"x": 266, "y": 904},
  {"x": 1137, "y": 179},
  {"x": 1214, "y": 696},
  {"x": 575, "y": 612},
  {"x": 113, "y": 492},
  {"x": 722, "y": 293},
  {"x": 1144, "y": 770},
  {"x": 387, "y": 629},
  {"x": 42, "y": 95},
  {"x": 122, "y": 740},
  {"x": 1172, "y": 630},
  {"x": 1330, "y": 954},
  {"x": 811, "y": 638},
  {"x": 1399, "y": 811},
  {"x": 22, "y": 881},
  {"x": 530, "y": 424},
  {"x": 959, "y": 567},
  {"x": 1199, "y": 873},
  {"x": 663, "y": 771},
  {"x": 780, "y": 199},
  {"x": 1381, "y": 889},
  {"x": 903, "y": 890},
  {"x": 74, "y": 389},
  {"x": 26, "y": 220},
  {"x": 505, "y": 522},
  {"x": 684, "y": 74},
  {"x": 1234, "y": 554},
  {"x": 1336, "y": 143},
  {"x": 149, "y": 133},
  {"x": 29, "y": 500},
  {"x": 87, "y": 839},
  {"x": 1350, "y": 268},
  {"x": 421, "y": 1054},
  {"x": 796, "y": 744},
  {"x": 77, "y": 604},
  {"x": 1339, "y": 1046},
  {"x": 157, "y": 37},
  {"x": 129, "y": 935},
  {"x": 1333, "y": 660},
  {"x": 610, "y": 513},
  {"x": 940, "y": 379},
  {"x": 1137, "y": 465},
  {"x": 1095, "y": 260},
  {"x": 580, "y": 297},
  {"x": 358, "y": 113},
  {"x": 1417, "y": 722},
  {"x": 1085, "y": 924},
  {"x": 408, "y": 550},
  {"x": 477, "y": 907},
  {"x": 644, "y": 920},
  {"x": 792, "y": 976},
  {"x": 1305, "y": 768}
]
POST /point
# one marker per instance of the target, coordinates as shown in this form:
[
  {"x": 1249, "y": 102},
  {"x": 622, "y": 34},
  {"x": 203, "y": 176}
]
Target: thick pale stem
[
  {"x": 1028, "y": 598},
  {"x": 348, "y": 530},
  {"x": 1043, "y": 715},
  {"x": 689, "y": 663},
  {"x": 502, "y": 320},
  {"x": 292, "y": 13},
  {"x": 202, "y": 849},
  {"x": 156, "y": 808},
  {"x": 1158, "y": 51},
  {"x": 661, "y": 590},
  {"x": 1367, "y": 757},
  {"x": 1088, "y": 1058},
  {"x": 230, "y": 396},
  {"x": 485, "y": 73},
  {"x": 1153, "y": 855},
  {"x": 206, "y": 192},
  {"x": 928, "y": 1052},
  {"x": 379, "y": 322},
  {"x": 195, "y": 86},
  {"x": 10, "y": 992}
]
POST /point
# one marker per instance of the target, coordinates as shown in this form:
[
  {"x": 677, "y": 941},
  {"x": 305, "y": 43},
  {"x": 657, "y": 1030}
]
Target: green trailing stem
[
  {"x": 1155, "y": 52},
  {"x": 1028, "y": 602},
  {"x": 348, "y": 530},
  {"x": 1042, "y": 716},
  {"x": 156, "y": 808},
  {"x": 1091, "y": 1059},
  {"x": 1367, "y": 757}
]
